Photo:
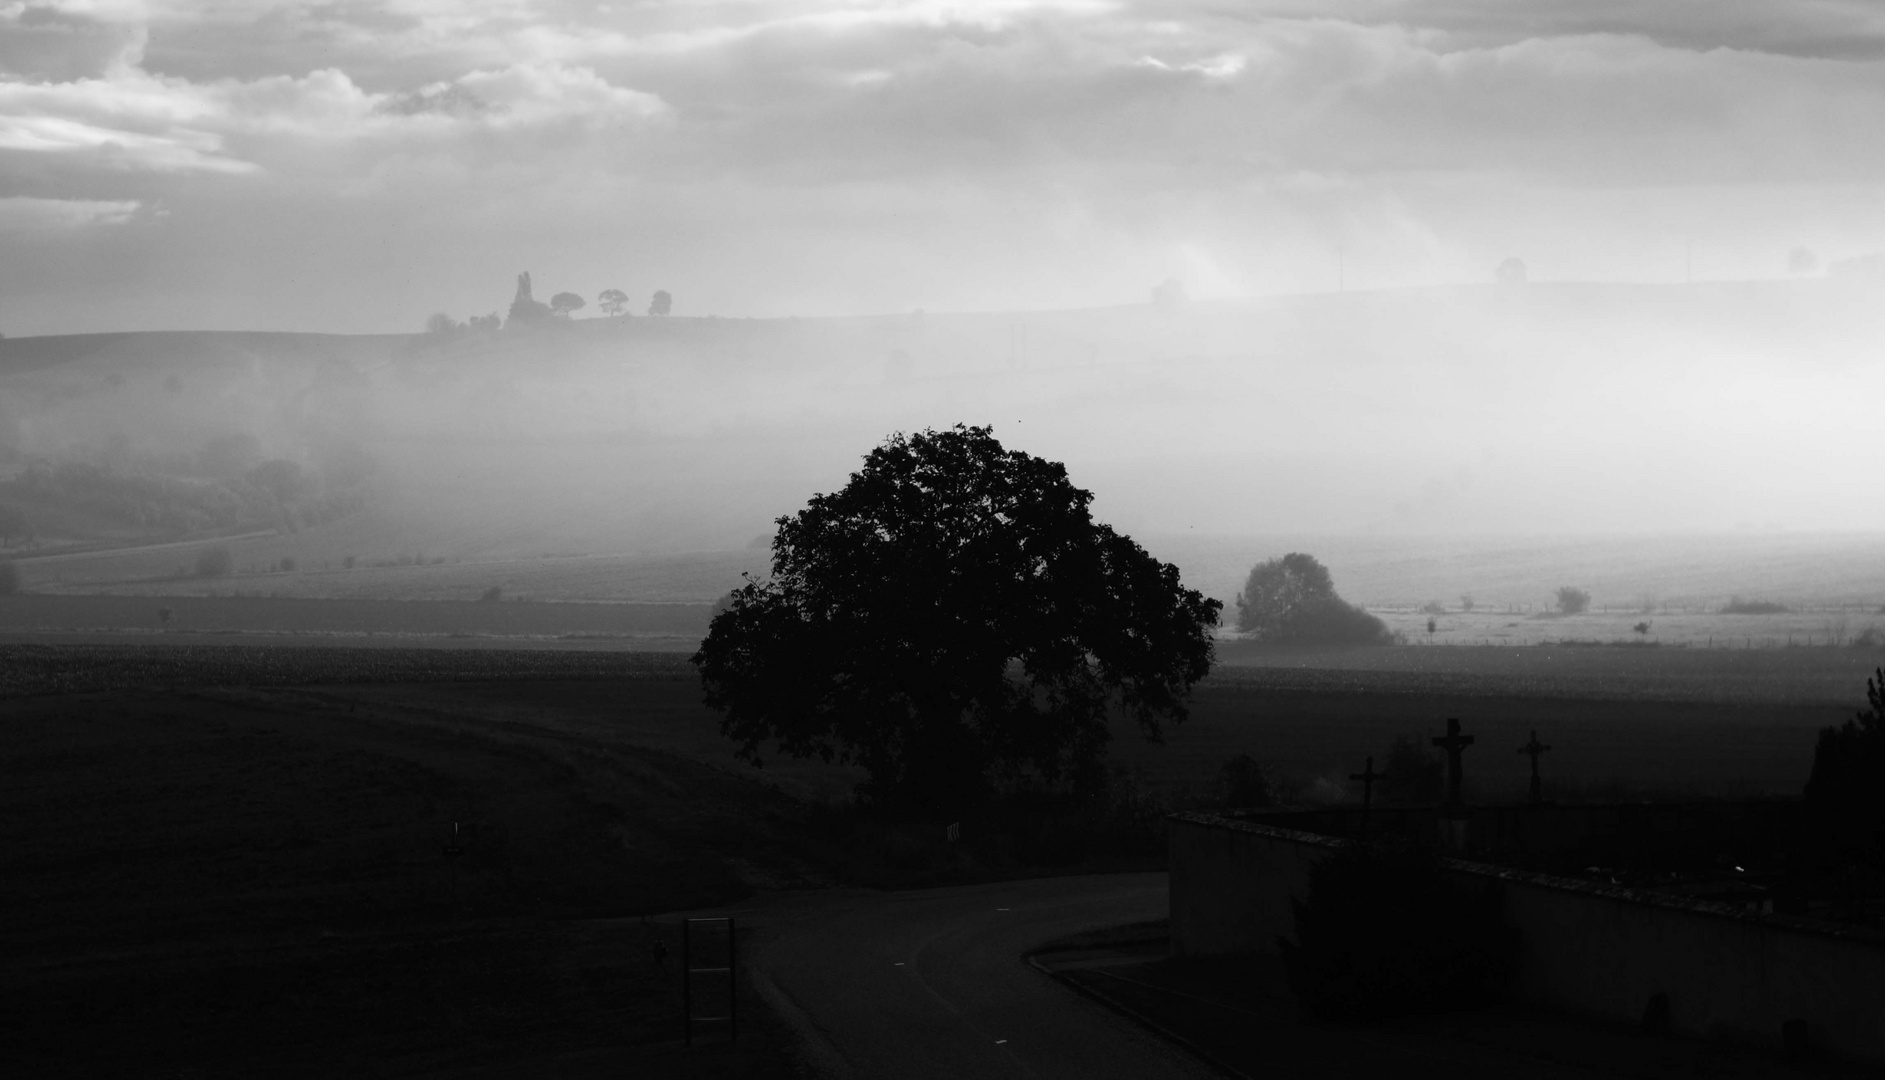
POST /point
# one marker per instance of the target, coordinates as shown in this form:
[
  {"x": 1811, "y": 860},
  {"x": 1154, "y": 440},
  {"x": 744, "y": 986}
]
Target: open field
[
  {"x": 242, "y": 883},
  {"x": 195, "y": 616},
  {"x": 163, "y": 571},
  {"x": 209, "y": 854},
  {"x": 1681, "y": 719},
  {"x": 1862, "y": 626},
  {"x": 1678, "y": 584}
]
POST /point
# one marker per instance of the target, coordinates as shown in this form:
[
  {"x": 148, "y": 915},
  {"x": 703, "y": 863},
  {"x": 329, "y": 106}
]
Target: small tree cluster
[
  {"x": 1738, "y": 606},
  {"x": 1292, "y": 601},
  {"x": 444, "y": 325},
  {"x": 1572, "y": 601}
]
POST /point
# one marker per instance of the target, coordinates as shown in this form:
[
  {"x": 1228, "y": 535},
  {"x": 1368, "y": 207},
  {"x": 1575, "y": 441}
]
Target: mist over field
[{"x": 1469, "y": 411}]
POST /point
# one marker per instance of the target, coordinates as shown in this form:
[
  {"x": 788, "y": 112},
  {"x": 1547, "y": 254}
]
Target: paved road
[{"x": 931, "y": 983}]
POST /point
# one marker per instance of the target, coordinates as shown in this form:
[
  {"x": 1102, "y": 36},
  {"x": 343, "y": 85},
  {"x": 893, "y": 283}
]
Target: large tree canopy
[{"x": 952, "y": 616}]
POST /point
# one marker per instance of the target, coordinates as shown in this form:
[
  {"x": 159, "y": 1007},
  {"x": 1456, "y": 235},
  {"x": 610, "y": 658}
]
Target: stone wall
[{"x": 1596, "y": 950}]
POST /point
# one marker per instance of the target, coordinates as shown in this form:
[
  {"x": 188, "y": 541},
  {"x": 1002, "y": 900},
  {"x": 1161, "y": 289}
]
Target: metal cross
[
  {"x": 1453, "y": 743},
  {"x": 1535, "y": 748}
]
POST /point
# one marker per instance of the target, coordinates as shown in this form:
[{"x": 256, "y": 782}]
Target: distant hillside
[{"x": 1484, "y": 410}]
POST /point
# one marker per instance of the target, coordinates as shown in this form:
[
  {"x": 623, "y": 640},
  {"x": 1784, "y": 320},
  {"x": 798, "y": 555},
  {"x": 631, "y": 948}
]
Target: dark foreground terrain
[{"x": 222, "y": 861}]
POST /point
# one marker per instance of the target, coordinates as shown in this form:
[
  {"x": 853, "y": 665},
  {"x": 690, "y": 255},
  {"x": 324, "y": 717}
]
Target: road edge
[{"x": 1137, "y": 1017}]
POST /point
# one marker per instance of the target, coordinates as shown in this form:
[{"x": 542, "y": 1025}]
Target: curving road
[{"x": 932, "y": 984}]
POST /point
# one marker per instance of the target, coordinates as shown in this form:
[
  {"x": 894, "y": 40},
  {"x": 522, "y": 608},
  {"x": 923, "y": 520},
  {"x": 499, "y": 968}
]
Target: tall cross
[
  {"x": 1535, "y": 748},
  {"x": 1453, "y": 743},
  {"x": 1367, "y": 776}
]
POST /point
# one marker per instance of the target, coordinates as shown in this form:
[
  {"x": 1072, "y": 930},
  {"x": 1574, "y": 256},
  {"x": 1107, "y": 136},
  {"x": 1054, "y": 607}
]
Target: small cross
[
  {"x": 1453, "y": 743},
  {"x": 1367, "y": 776},
  {"x": 1535, "y": 748}
]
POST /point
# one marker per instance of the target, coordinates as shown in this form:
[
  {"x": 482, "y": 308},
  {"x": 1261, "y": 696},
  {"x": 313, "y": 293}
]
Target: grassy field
[
  {"x": 378, "y": 572},
  {"x": 1860, "y": 625},
  {"x": 187, "y": 616},
  {"x": 225, "y": 861}
]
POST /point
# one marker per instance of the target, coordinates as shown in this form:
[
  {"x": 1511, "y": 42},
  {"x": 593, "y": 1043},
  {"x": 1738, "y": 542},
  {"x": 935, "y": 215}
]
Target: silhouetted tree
[
  {"x": 1511, "y": 272},
  {"x": 1845, "y": 794},
  {"x": 661, "y": 304},
  {"x": 1572, "y": 601},
  {"x": 13, "y": 524},
  {"x": 1292, "y": 600},
  {"x": 1412, "y": 772},
  {"x": 564, "y": 303},
  {"x": 951, "y": 616},
  {"x": 441, "y": 323},
  {"x": 612, "y": 301},
  {"x": 1802, "y": 261},
  {"x": 1244, "y": 782}
]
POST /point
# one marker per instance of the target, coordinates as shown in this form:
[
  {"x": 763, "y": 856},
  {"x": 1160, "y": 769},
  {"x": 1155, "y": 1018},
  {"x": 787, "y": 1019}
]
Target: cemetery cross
[
  {"x": 1453, "y": 743},
  {"x": 1535, "y": 748}
]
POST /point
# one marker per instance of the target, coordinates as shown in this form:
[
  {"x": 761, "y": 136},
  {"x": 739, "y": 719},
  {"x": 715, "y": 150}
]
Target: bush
[
  {"x": 1434, "y": 607},
  {"x": 9, "y": 578},
  {"x": 493, "y": 594},
  {"x": 288, "y": 564},
  {"x": 1572, "y": 601},
  {"x": 215, "y": 561},
  {"x": 1412, "y": 772},
  {"x": 1384, "y": 933},
  {"x": 1738, "y": 606},
  {"x": 1243, "y": 782}
]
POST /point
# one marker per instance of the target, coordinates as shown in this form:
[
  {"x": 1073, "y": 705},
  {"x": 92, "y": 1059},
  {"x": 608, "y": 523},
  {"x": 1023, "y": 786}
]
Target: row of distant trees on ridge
[{"x": 526, "y": 308}]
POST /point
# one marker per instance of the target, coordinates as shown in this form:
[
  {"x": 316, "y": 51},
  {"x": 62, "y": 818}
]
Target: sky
[{"x": 354, "y": 167}]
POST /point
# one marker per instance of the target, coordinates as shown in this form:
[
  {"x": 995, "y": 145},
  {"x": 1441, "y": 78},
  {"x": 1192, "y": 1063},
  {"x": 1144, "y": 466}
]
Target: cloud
[
  {"x": 19, "y": 213},
  {"x": 1004, "y": 152},
  {"x": 64, "y": 41}
]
